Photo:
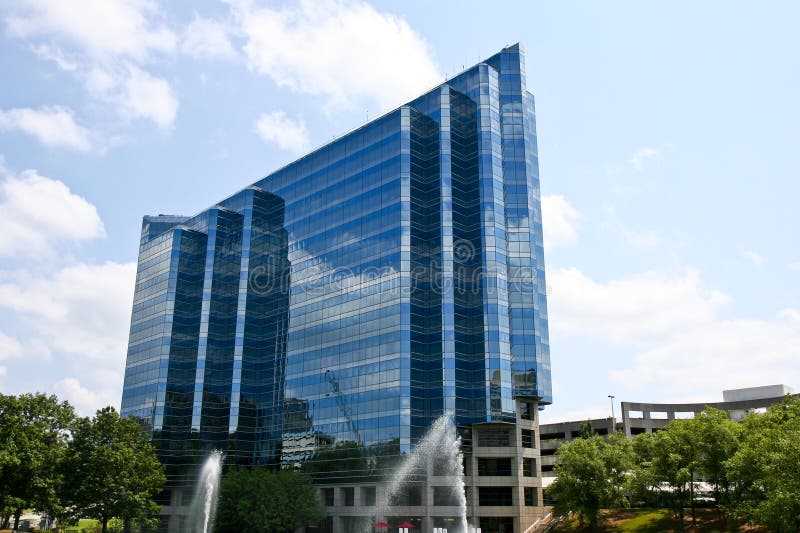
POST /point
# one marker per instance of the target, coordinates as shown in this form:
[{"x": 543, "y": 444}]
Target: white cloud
[
  {"x": 287, "y": 133},
  {"x": 104, "y": 43},
  {"x": 720, "y": 354},
  {"x": 81, "y": 309},
  {"x": 341, "y": 50},
  {"x": 672, "y": 324},
  {"x": 643, "y": 154},
  {"x": 82, "y": 313},
  {"x": 39, "y": 213},
  {"x": 207, "y": 39},
  {"x": 630, "y": 310},
  {"x": 790, "y": 314},
  {"x": 135, "y": 93},
  {"x": 56, "y": 55},
  {"x": 793, "y": 266},
  {"x": 637, "y": 238},
  {"x": 641, "y": 239},
  {"x": 85, "y": 401},
  {"x": 10, "y": 347},
  {"x": 756, "y": 258},
  {"x": 99, "y": 28},
  {"x": 559, "y": 220},
  {"x": 53, "y": 126}
]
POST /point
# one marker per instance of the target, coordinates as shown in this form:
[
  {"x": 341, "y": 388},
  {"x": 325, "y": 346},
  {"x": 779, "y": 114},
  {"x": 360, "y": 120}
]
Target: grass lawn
[
  {"x": 654, "y": 521},
  {"x": 644, "y": 520},
  {"x": 83, "y": 523}
]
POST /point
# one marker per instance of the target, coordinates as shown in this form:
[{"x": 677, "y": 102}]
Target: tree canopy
[
  {"x": 111, "y": 470},
  {"x": 765, "y": 471},
  {"x": 261, "y": 501},
  {"x": 34, "y": 429},
  {"x": 592, "y": 475},
  {"x": 752, "y": 468}
]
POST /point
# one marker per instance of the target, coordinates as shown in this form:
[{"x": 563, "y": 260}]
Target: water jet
[
  {"x": 204, "y": 502},
  {"x": 438, "y": 453}
]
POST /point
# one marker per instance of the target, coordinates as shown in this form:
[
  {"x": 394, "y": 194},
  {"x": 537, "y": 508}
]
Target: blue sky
[{"x": 668, "y": 136}]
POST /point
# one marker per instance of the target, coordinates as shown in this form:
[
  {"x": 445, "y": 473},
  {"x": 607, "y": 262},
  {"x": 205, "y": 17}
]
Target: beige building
[{"x": 502, "y": 479}]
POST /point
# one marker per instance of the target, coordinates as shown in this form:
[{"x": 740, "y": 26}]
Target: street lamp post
[{"x": 613, "y": 418}]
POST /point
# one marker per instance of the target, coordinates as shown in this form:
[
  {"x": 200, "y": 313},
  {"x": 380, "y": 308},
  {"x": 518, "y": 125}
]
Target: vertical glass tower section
[{"x": 326, "y": 315}]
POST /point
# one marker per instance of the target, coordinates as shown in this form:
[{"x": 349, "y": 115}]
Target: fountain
[
  {"x": 440, "y": 446},
  {"x": 204, "y": 502}
]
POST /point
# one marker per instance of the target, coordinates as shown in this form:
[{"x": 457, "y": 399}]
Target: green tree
[
  {"x": 587, "y": 430},
  {"x": 765, "y": 471},
  {"x": 676, "y": 463},
  {"x": 262, "y": 501},
  {"x": 34, "y": 429},
  {"x": 719, "y": 440},
  {"x": 682, "y": 453},
  {"x": 111, "y": 471},
  {"x": 592, "y": 475},
  {"x": 643, "y": 484}
]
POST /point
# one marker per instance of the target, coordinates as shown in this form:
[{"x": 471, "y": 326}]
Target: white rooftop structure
[{"x": 756, "y": 393}]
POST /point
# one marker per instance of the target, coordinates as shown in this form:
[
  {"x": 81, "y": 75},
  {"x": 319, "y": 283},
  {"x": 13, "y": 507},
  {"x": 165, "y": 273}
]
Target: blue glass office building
[{"x": 348, "y": 299}]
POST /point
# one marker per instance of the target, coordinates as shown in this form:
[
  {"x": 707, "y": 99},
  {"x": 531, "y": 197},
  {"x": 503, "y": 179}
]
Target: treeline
[
  {"x": 752, "y": 468},
  {"x": 69, "y": 467}
]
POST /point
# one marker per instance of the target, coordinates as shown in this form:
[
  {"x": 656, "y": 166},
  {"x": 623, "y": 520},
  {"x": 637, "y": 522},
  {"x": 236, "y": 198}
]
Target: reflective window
[
  {"x": 494, "y": 437},
  {"x": 530, "y": 496},
  {"x": 368, "y": 496},
  {"x": 529, "y": 467},
  {"x": 348, "y": 496},
  {"x": 528, "y": 438},
  {"x": 494, "y": 466},
  {"x": 327, "y": 496},
  {"x": 494, "y": 496}
]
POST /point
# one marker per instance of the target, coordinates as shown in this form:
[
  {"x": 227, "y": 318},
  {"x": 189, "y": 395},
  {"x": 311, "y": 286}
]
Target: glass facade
[{"x": 326, "y": 315}]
